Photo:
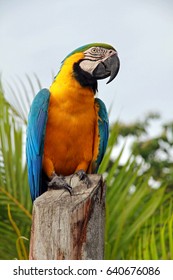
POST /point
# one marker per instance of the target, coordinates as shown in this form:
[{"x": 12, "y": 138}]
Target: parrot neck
[
  {"x": 68, "y": 96},
  {"x": 66, "y": 86},
  {"x": 72, "y": 80}
]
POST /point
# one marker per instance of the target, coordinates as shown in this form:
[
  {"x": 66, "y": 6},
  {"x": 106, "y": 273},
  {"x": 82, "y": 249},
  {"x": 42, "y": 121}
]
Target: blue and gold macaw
[{"x": 67, "y": 126}]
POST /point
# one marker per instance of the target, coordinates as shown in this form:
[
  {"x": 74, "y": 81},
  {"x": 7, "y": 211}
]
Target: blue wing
[
  {"x": 103, "y": 127},
  {"x": 37, "y": 120}
]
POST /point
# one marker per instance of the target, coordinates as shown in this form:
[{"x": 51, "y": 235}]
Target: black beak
[{"x": 106, "y": 68}]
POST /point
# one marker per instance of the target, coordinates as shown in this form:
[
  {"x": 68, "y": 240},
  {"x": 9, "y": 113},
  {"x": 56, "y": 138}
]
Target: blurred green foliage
[{"x": 139, "y": 218}]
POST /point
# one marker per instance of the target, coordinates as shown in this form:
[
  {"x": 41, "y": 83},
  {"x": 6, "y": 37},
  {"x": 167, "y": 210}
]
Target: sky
[{"x": 36, "y": 35}]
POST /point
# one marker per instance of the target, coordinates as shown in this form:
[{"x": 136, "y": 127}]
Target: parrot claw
[
  {"x": 58, "y": 183},
  {"x": 83, "y": 177}
]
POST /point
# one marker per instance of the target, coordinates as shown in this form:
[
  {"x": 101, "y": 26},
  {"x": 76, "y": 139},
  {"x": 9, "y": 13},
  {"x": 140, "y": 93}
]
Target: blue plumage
[
  {"x": 103, "y": 125},
  {"x": 37, "y": 120}
]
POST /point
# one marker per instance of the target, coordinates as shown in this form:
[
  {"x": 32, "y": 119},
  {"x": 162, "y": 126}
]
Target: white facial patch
[{"x": 89, "y": 65}]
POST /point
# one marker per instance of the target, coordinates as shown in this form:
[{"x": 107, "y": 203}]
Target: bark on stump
[{"x": 69, "y": 227}]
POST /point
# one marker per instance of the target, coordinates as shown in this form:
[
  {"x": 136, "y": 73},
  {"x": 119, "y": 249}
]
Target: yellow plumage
[{"x": 70, "y": 139}]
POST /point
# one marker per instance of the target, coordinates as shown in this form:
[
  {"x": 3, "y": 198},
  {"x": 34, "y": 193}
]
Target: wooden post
[{"x": 69, "y": 227}]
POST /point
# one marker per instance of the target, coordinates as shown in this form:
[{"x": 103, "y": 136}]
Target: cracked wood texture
[{"x": 66, "y": 227}]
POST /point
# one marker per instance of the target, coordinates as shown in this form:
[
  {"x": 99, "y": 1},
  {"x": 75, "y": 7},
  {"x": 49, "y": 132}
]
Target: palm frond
[
  {"x": 14, "y": 190},
  {"x": 132, "y": 212},
  {"x": 139, "y": 219}
]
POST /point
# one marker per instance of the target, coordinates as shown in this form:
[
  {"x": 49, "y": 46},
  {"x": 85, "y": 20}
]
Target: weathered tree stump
[{"x": 69, "y": 227}]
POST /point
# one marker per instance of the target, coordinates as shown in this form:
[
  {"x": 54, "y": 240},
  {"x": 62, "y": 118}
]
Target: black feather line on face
[{"x": 84, "y": 78}]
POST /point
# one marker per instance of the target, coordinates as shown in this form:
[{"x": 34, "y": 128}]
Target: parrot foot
[
  {"x": 58, "y": 183},
  {"x": 83, "y": 177}
]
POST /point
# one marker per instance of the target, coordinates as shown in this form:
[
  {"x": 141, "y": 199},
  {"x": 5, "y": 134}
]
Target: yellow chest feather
[{"x": 70, "y": 130}]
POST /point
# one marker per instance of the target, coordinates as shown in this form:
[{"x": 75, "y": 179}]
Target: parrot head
[{"x": 93, "y": 62}]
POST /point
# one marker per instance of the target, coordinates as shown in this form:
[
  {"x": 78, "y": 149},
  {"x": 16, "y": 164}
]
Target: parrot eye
[{"x": 94, "y": 50}]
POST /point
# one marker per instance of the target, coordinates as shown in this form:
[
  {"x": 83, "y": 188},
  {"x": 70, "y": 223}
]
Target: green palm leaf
[
  {"x": 14, "y": 191},
  {"x": 139, "y": 219}
]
